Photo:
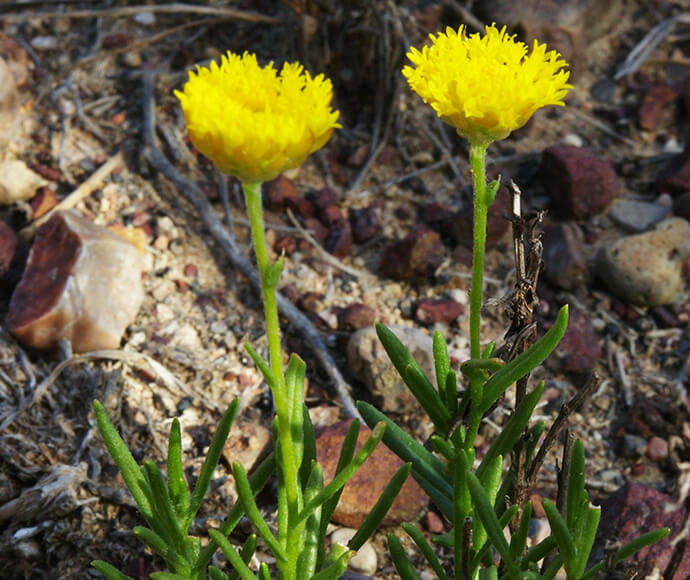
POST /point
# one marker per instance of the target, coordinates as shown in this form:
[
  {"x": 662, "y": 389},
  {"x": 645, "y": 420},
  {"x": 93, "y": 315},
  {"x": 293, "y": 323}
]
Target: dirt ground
[{"x": 80, "y": 68}]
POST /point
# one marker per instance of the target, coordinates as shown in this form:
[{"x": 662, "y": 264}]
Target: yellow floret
[
  {"x": 253, "y": 122},
  {"x": 486, "y": 86}
]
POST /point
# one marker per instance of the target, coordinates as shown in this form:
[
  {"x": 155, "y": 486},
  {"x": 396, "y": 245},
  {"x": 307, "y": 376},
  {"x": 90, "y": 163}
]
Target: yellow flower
[
  {"x": 253, "y": 122},
  {"x": 486, "y": 86}
]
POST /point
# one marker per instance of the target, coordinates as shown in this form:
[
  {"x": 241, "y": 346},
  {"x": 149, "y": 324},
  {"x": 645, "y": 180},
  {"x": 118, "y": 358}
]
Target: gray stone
[
  {"x": 637, "y": 216},
  {"x": 646, "y": 269}
]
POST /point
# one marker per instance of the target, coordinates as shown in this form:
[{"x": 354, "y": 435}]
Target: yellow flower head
[
  {"x": 253, "y": 122},
  {"x": 486, "y": 86}
]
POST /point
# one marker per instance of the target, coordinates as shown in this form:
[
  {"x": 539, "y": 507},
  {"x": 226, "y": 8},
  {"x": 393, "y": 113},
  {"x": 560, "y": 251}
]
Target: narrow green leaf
[
  {"x": 217, "y": 574},
  {"x": 491, "y": 189},
  {"x": 405, "y": 447},
  {"x": 535, "y": 433},
  {"x": 483, "y": 553},
  {"x": 489, "y": 349},
  {"x": 337, "y": 564},
  {"x": 470, "y": 367},
  {"x": 167, "y": 576},
  {"x": 576, "y": 505},
  {"x": 541, "y": 550},
  {"x": 553, "y": 568},
  {"x": 252, "y": 511},
  {"x": 231, "y": 554},
  {"x": 263, "y": 366},
  {"x": 526, "y": 362},
  {"x": 414, "y": 378},
  {"x": 518, "y": 540},
  {"x": 490, "y": 573},
  {"x": 490, "y": 483},
  {"x": 451, "y": 388},
  {"x": 246, "y": 554},
  {"x": 163, "y": 508},
  {"x": 177, "y": 486},
  {"x": 134, "y": 479},
  {"x": 158, "y": 545},
  {"x": 585, "y": 540},
  {"x": 110, "y": 572},
  {"x": 294, "y": 383},
  {"x": 441, "y": 364},
  {"x": 308, "y": 557},
  {"x": 380, "y": 509},
  {"x": 426, "y": 550},
  {"x": 347, "y": 451},
  {"x": 264, "y": 573},
  {"x": 257, "y": 481},
  {"x": 510, "y": 434},
  {"x": 308, "y": 446},
  {"x": 560, "y": 530},
  {"x": 400, "y": 560},
  {"x": 486, "y": 514},
  {"x": 211, "y": 460},
  {"x": 341, "y": 479},
  {"x": 438, "y": 497},
  {"x": 442, "y": 447},
  {"x": 272, "y": 274}
]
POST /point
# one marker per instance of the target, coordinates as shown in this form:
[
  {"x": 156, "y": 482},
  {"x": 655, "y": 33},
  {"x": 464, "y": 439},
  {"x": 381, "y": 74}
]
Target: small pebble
[
  {"x": 434, "y": 523},
  {"x": 364, "y": 561},
  {"x": 573, "y": 139},
  {"x": 657, "y": 449}
]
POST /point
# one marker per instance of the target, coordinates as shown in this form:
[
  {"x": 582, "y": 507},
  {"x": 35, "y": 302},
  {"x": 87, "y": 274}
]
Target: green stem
[
  {"x": 287, "y": 462},
  {"x": 481, "y": 206}
]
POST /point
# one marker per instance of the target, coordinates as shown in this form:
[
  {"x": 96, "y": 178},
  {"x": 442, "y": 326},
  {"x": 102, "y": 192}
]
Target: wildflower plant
[
  {"x": 255, "y": 122},
  {"x": 486, "y": 86}
]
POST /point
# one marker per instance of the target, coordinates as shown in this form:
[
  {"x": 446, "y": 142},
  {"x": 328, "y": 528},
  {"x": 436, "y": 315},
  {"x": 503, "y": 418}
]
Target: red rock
[
  {"x": 434, "y": 523},
  {"x": 433, "y": 310},
  {"x": 331, "y": 215},
  {"x": 579, "y": 349},
  {"x": 656, "y": 104},
  {"x": 650, "y": 417},
  {"x": 43, "y": 202},
  {"x": 579, "y": 182},
  {"x": 414, "y": 258},
  {"x": 278, "y": 191},
  {"x": 317, "y": 229},
  {"x": 356, "y": 316},
  {"x": 564, "y": 256},
  {"x": 435, "y": 213},
  {"x": 675, "y": 177},
  {"x": 339, "y": 239},
  {"x": 285, "y": 245},
  {"x": 190, "y": 270},
  {"x": 366, "y": 222},
  {"x": 657, "y": 449},
  {"x": 49, "y": 173},
  {"x": 634, "y": 510},
  {"x": 459, "y": 225},
  {"x": 82, "y": 282},
  {"x": 364, "y": 488},
  {"x": 301, "y": 207},
  {"x": 291, "y": 292}
]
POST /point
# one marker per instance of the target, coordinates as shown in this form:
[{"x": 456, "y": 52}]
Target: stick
[{"x": 229, "y": 245}]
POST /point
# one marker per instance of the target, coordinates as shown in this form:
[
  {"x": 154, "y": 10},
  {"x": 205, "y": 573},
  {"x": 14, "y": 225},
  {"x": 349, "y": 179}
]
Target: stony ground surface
[{"x": 80, "y": 103}]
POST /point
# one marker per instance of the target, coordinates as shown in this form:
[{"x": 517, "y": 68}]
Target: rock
[
  {"x": 415, "y": 258},
  {"x": 645, "y": 269},
  {"x": 604, "y": 89},
  {"x": 44, "y": 200},
  {"x": 633, "y": 510},
  {"x": 459, "y": 225},
  {"x": 675, "y": 177},
  {"x": 365, "y": 560},
  {"x": 637, "y": 216},
  {"x": 9, "y": 105},
  {"x": 657, "y": 103},
  {"x": 366, "y": 222},
  {"x": 356, "y": 316},
  {"x": 318, "y": 231},
  {"x": 17, "y": 181},
  {"x": 82, "y": 282},
  {"x": 433, "y": 310},
  {"x": 247, "y": 441},
  {"x": 633, "y": 446},
  {"x": 579, "y": 348},
  {"x": 324, "y": 198},
  {"x": 434, "y": 523},
  {"x": 339, "y": 239},
  {"x": 363, "y": 490},
  {"x": 370, "y": 364},
  {"x": 657, "y": 449},
  {"x": 579, "y": 183},
  {"x": 681, "y": 205},
  {"x": 279, "y": 191},
  {"x": 564, "y": 256}
]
